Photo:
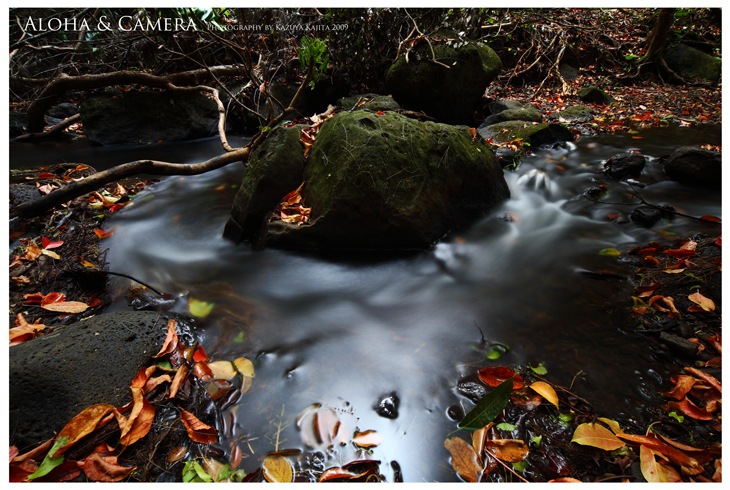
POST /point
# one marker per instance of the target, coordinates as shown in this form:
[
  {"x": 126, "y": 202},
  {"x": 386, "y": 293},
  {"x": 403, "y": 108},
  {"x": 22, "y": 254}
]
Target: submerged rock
[
  {"x": 388, "y": 182},
  {"x": 695, "y": 166},
  {"x": 622, "y": 166},
  {"x": 646, "y": 216},
  {"x": 387, "y": 406},
  {"x": 56, "y": 376},
  {"x": 450, "y": 94}
]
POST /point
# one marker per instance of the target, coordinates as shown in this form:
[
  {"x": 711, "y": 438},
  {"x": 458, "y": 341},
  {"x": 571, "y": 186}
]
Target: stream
[{"x": 347, "y": 330}]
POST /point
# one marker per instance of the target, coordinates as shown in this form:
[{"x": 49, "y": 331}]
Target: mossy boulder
[
  {"x": 695, "y": 166},
  {"x": 528, "y": 112},
  {"x": 534, "y": 133},
  {"x": 449, "y": 93},
  {"x": 689, "y": 62},
  {"x": 577, "y": 113},
  {"x": 275, "y": 169},
  {"x": 369, "y": 102},
  {"x": 595, "y": 94},
  {"x": 148, "y": 117},
  {"x": 388, "y": 182}
]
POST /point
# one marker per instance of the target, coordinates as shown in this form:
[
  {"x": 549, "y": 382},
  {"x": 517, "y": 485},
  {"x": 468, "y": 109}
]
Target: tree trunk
[{"x": 657, "y": 38}]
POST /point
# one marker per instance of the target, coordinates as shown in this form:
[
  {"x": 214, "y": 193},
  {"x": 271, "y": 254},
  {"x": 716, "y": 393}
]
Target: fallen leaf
[
  {"x": 66, "y": 307},
  {"x": 82, "y": 424},
  {"x": 178, "y": 380},
  {"x": 547, "y": 391},
  {"x": 565, "y": 479},
  {"x": 170, "y": 340},
  {"x": 200, "y": 309},
  {"x": 368, "y": 438},
  {"x": 488, "y": 407},
  {"x": 104, "y": 468},
  {"x": 277, "y": 469},
  {"x": 49, "y": 462},
  {"x": 336, "y": 474},
  {"x": 463, "y": 459},
  {"x": 51, "y": 254},
  {"x": 713, "y": 219},
  {"x": 705, "y": 303},
  {"x": 710, "y": 379},
  {"x": 612, "y": 424},
  {"x": 511, "y": 450},
  {"x": 479, "y": 436},
  {"x": 245, "y": 367},
  {"x": 494, "y": 376},
  {"x": 197, "y": 430},
  {"x": 592, "y": 434},
  {"x": 690, "y": 409},
  {"x": 653, "y": 471},
  {"x": 682, "y": 385},
  {"x": 140, "y": 420},
  {"x": 199, "y": 355},
  {"x": 103, "y": 234},
  {"x": 32, "y": 251}
]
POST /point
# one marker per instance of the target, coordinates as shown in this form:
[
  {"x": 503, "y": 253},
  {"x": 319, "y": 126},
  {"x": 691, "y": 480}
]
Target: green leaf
[
  {"x": 540, "y": 369},
  {"x": 238, "y": 339},
  {"x": 497, "y": 351},
  {"x": 566, "y": 418},
  {"x": 677, "y": 417},
  {"x": 234, "y": 476},
  {"x": 193, "y": 472},
  {"x": 536, "y": 440},
  {"x": 49, "y": 462},
  {"x": 610, "y": 252},
  {"x": 520, "y": 466},
  {"x": 489, "y": 407},
  {"x": 506, "y": 426}
]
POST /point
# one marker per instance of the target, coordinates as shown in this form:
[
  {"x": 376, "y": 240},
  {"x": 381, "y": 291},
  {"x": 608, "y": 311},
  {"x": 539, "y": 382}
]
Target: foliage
[{"x": 313, "y": 55}]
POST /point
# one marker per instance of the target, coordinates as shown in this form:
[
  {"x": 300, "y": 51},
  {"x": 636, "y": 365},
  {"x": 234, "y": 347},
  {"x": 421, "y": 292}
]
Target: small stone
[
  {"x": 455, "y": 413},
  {"x": 646, "y": 216},
  {"x": 388, "y": 406}
]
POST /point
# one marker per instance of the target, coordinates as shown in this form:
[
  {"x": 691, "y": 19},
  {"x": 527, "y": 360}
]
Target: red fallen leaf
[
  {"x": 94, "y": 302},
  {"x": 649, "y": 441},
  {"x": 715, "y": 361},
  {"x": 645, "y": 291},
  {"x": 104, "y": 468},
  {"x": 708, "y": 378},
  {"x": 678, "y": 253},
  {"x": 48, "y": 245},
  {"x": 336, "y": 474},
  {"x": 170, "y": 341},
  {"x": 117, "y": 207},
  {"x": 682, "y": 385},
  {"x": 690, "y": 409},
  {"x": 177, "y": 380},
  {"x": 197, "y": 430},
  {"x": 715, "y": 341},
  {"x": 140, "y": 419},
  {"x": 697, "y": 342},
  {"x": 37, "y": 453},
  {"x": 381, "y": 113},
  {"x": 103, "y": 234},
  {"x": 565, "y": 479},
  {"x": 638, "y": 311},
  {"x": 651, "y": 260},
  {"x": 203, "y": 372},
  {"x": 82, "y": 424},
  {"x": 47, "y": 175},
  {"x": 53, "y": 298},
  {"x": 718, "y": 241},
  {"x": 713, "y": 219},
  {"x": 20, "y": 471},
  {"x": 559, "y": 167},
  {"x": 649, "y": 251},
  {"x": 494, "y": 376},
  {"x": 473, "y": 133},
  {"x": 67, "y": 470},
  {"x": 142, "y": 376},
  {"x": 199, "y": 355}
]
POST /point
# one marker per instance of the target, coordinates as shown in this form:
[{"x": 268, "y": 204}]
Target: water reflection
[{"x": 345, "y": 331}]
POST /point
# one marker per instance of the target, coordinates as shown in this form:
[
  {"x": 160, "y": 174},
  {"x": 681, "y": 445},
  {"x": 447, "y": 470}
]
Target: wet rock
[
  {"x": 387, "y": 406},
  {"x": 568, "y": 72},
  {"x": 535, "y": 134},
  {"x": 388, "y": 182},
  {"x": 369, "y": 102},
  {"x": 507, "y": 157},
  {"x": 499, "y": 105},
  {"x": 622, "y": 166},
  {"x": 646, "y": 216},
  {"x": 21, "y": 193},
  {"x": 455, "y": 413},
  {"x": 148, "y": 117},
  {"x": 275, "y": 169},
  {"x": 595, "y": 94},
  {"x": 527, "y": 112},
  {"x": 689, "y": 62},
  {"x": 56, "y": 376},
  {"x": 63, "y": 110},
  {"x": 678, "y": 345},
  {"x": 420, "y": 84},
  {"x": 472, "y": 389},
  {"x": 578, "y": 113},
  {"x": 695, "y": 166},
  {"x": 18, "y": 123}
]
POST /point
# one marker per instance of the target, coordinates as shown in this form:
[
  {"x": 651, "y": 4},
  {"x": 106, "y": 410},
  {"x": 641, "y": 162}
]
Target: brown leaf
[
  {"x": 277, "y": 469},
  {"x": 690, "y": 409},
  {"x": 565, "y": 479},
  {"x": 336, "y": 474},
  {"x": 197, "y": 430},
  {"x": 479, "y": 436},
  {"x": 653, "y": 471},
  {"x": 32, "y": 251},
  {"x": 28, "y": 328},
  {"x": 592, "y": 434},
  {"x": 37, "y": 453},
  {"x": 463, "y": 459},
  {"x": 82, "y": 424},
  {"x": 511, "y": 450},
  {"x": 682, "y": 385},
  {"x": 67, "y": 307},
  {"x": 708, "y": 378},
  {"x": 142, "y": 376},
  {"x": 140, "y": 419},
  {"x": 170, "y": 340},
  {"x": 705, "y": 303},
  {"x": 368, "y": 438},
  {"x": 178, "y": 380},
  {"x": 106, "y": 469},
  {"x": 153, "y": 382},
  {"x": 20, "y": 279}
]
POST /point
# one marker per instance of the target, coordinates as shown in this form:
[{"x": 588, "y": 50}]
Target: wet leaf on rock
[
  {"x": 494, "y": 376},
  {"x": 82, "y": 424},
  {"x": 277, "y": 469},
  {"x": 197, "y": 430},
  {"x": 510, "y": 450},
  {"x": 488, "y": 407},
  {"x": 170, "y": 340},
  {"x": 546, "y": 391}
]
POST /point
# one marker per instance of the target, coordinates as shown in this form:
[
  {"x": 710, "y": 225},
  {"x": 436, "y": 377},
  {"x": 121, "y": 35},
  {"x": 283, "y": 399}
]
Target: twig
[{"x": 51, "y": 132}]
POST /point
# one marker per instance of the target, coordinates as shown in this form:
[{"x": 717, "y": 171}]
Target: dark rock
[
  {"x": 275, "y": 169},
  {"x": 695, "y": 166},
  {"x": 689, "y": 62},
  {"x": 678, "y": 345},
  {"x": 63, "y": 110},
  {"x": 421, "y": 84},
  {"x": 387, "y": 406},
  {"x": 525, "y": 113},
  {"x": 389, "y": 182},
  {"x": 507, "y": 157},
  {"x": 500, "y": 105},
  {"x": 685, "y": 331},
  {"x": 148, "y": 117},
  {"x": 622, "y": 166},
  {"x": 369, "y": 102},
  {"x": 595, "y": 94},
  {"x": 578, "y": 113},
  {"x": 21, "y": 193},
  {"x": 18, "y": 123},
  {"x": 646, "y": 216},
  {"x": 472, "y": 389},
  {"x": 535, "y": 134},
  {"x": 455, "y": 413},
  {"x": 56, "y": 376},
  {"x": 568, "y": 72}
]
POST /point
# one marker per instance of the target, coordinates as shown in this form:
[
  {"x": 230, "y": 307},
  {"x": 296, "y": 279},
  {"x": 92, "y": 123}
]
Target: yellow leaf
[
  {"x": 277, "y": 469},
  {"x": 706, "y": 303},
  {"x": 86, "y": 263},
  {"x": 222, "y": 370},
  {"x": 50, "y": 253},
  {"x": 673, "y": 271},
  {"x": 546, "y": 391},
  {"x": 66, "y": 307},
  {"x": 201, "y": 309},
  {"x": 591, "y": 434},
  {"x": 612, "y": 424},
  {"x": 653, "y": 472},
  {"x": 245, "y": 367}
]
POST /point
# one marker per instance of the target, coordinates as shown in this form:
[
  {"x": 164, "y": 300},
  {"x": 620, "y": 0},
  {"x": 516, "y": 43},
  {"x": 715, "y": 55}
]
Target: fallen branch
[{"x": 57, "y": 129}]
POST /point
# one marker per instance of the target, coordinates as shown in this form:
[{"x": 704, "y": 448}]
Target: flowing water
[{"x": 347, "y": 330}]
